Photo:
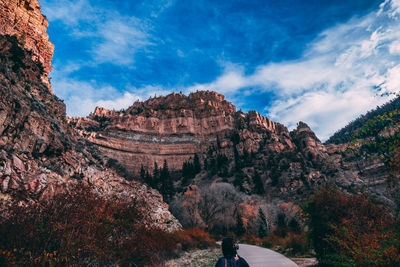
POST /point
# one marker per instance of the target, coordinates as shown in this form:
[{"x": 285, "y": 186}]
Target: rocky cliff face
[
  {"x": 172, "y": 128},
  {"x": 232, "y": 146},
  {"x": 40, "y": 154},
  {"x": 24, "y": 19}
]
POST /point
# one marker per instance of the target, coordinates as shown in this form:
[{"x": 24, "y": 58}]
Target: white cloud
[
  {"x": 337, "y": 78},
  {"x": 120, "y": 39},
  {"x": 82, "y": 97},
  {"x": 115, "y": 38}
]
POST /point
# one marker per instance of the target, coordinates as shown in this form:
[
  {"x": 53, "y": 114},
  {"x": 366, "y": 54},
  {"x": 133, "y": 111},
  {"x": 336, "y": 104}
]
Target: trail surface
[{"x": 262, "y": 257}]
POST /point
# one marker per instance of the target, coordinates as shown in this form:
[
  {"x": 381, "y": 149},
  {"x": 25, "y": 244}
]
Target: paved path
[{"x": 262, "y": 257}]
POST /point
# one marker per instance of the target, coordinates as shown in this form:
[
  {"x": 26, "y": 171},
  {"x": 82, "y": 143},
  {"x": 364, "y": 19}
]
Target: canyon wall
[
  {"x": 40, "y": 154},
  {"x": 23, "y": 18},
  {"x": 172, "y": 128}
]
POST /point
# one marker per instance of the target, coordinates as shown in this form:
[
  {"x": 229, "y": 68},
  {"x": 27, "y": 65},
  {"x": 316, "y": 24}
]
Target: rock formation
[
  {"x": 172, "y": 128},
  {"x": 176, "y": 127},
  {"x": 24, "y": 19},
  {"x": 40, "y": 154}
]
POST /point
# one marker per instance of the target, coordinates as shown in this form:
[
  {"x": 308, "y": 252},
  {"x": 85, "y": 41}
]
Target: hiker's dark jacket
[{"x": 242, "y": 262}]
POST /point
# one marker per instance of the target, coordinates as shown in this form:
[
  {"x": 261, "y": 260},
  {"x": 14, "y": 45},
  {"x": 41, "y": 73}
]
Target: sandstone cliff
[
  {"x": 40, "y": 154},
  {"x": 172, "y": 128},
  {"x": 231, "y": 145},
  {"x": 23, "y": 18}
]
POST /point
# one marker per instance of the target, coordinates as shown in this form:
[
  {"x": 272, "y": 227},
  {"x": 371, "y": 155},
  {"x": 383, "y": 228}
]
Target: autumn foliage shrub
[
  {"x": 79, "y": 227},
  {"x": 351, "y": 230},
  {"x": 194, "y": 238},
  {"x": 292, "y": 244}
]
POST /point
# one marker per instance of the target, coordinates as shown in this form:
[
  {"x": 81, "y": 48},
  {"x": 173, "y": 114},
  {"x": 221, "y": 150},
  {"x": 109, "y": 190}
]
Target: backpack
[{"x": 232, "y": 262}]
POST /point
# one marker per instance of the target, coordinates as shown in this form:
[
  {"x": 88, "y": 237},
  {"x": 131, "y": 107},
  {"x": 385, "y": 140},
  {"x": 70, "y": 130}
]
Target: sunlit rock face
[
  {"x": 23, "y": 18},
  {"x": 172, "y": 128},
  {"x": 41, "y": 155},
  {"x": 176, "y": 127}
]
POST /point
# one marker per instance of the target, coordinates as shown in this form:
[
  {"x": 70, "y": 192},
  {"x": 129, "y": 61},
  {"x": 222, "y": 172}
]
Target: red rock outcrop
[
  {"x": 172, "y": 128},
  {"x": 176, "y": 127},
  {"x": 23, "y": 18},
  {"x": 40, "y": 154}
]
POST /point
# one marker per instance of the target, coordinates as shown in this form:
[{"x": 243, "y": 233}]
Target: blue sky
[{"x": 319, "y": 61}]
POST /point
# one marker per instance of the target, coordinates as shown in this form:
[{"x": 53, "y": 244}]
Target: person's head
[{"x": 228, "y": 247}]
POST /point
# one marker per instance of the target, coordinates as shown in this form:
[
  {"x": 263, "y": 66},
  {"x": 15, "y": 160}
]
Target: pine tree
[
  {"x": 263, "y": 226},
  {"x": 246, "y": 158},
  {"x": 167, "y": 186},
  {"x": 258, "y": 184},
  {"x": 240, "y": 230},
  {"x": 281, "y": 220},
  {"x": 239, "y": 179},
  {"x": 188, "y": 171},
  {"x": 238, "y": 164},
  {"x": 142, "y": 173},
  {"x": 294, "y": 225},
  {"x": 156, "y": 175},
  {"x": 149, "y": 180},
  {"x": 196, "y": 164}
]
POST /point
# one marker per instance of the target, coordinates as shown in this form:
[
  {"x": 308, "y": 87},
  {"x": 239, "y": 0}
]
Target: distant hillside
[{"x": 346, "y": 134}]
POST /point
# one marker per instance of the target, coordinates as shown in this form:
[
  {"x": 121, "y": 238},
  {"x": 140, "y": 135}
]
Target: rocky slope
[
  {"x": 40, "y": 154},
  {"x": 245, "y": 149},
  {"x": 172, "y": 128},
  {"x": 24, "y": 19},
  {"x": 232, "y": 146},
  {"x": 370, "y": 145}
]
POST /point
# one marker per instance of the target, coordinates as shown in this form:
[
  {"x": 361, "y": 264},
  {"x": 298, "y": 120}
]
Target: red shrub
[
  {"x": 79, "y": 227},
  {"x": 194, "y": 238},
  {"x": 350, "y": 229}
]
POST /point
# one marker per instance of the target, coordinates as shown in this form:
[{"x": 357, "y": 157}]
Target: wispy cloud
[
  {"x": 114, "y": 38},
  {"x": 120, "y": 38},
  {"x": 337, "y": 78},
  {"x": 82, "y": 97}
]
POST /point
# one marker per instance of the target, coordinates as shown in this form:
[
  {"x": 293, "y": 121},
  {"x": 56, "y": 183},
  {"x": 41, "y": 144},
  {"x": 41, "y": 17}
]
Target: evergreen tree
[
  {"x": 196, "y": 164},
  {"x": 167, "y": 186},
  {"x": 239, "y": 230},
  {"x": 246, "y": 157},
  {"x": 238, "y": 164},
  {"x": 258, "y": 184},
  {"x": 281, "y": 220},
  {"x": 156, "y": 176},
  {"x": 263, "y": 226},
  {"x": 294, "y": 225},
  {"x": 205, "y": 164},
  {"x": 142, "y": 173},
  {"x": 188, "y": 171},
  {"x": 235, "y": 138},
  {"x": 149, "y": 180},
  {"x": 239, "y": 179}
]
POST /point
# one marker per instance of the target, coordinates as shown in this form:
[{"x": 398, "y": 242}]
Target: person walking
[{"x": 230, "y": 258}]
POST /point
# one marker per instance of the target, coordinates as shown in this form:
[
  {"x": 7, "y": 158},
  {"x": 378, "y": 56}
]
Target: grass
[{"x": 202, "y": 258}]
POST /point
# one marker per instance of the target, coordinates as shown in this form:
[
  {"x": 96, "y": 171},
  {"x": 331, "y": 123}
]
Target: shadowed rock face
[
  {"x": 176, "y": 127},
  {"x": 40, "y": 154},
  {"x": 24, "y": 19},
  {"x": 172, "y": 128}
]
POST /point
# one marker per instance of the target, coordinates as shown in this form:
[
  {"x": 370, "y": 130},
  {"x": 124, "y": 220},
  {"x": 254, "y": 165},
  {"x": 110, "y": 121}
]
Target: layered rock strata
[
  {"x": 172, "y": 128},
  {"x": 23, "y": 18},
  {"x": 176, "y": 127},
  {"x": 40, "y": 154}
]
